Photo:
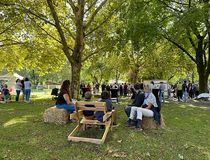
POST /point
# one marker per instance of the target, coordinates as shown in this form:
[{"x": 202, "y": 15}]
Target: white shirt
[
  {"x": 150, "y": 99},
  {"x": 27, "y": 84},
  {"x": 18, "y": 86}
]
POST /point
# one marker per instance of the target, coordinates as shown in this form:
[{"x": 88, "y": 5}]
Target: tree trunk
[
  {"x": 75, "y": 80},
  {"x": 203, "y": 82}
]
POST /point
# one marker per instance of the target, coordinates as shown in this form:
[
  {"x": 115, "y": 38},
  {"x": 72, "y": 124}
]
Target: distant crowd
[
  {"x": 183, "y": 90},
  {"x": 124, "y": 89},
  {"x": 23, "y": 86}
]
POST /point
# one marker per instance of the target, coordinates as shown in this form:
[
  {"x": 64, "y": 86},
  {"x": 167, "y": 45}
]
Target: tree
[
  {"x": 190, "y": 33},
  {"x": 185, "y": 24},
  {"x": 75, "y": 23}
]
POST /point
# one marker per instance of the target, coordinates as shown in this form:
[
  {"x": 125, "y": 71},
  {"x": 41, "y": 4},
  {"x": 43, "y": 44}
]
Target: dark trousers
[
  {"x": 128, "y": 110},
  {"x": 179, "y": 95}
]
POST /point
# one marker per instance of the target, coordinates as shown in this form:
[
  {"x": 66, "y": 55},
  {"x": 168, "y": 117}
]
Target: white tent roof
[{"x": 18, "y": 76}]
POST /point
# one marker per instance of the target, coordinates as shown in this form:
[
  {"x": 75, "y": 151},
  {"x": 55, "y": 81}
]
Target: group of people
[
  {"x": 24, "y": 86},
  {"x": 183, "y": 90},
  {"x": 64, "y": 101},
  {"x": 144, "y": 104},
  {"x": 124, "y": 89}
]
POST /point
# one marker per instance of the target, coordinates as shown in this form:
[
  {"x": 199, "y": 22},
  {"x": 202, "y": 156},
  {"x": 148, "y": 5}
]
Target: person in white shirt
[
  {"x": 27, "y": 89},
  {"x": 18, "y": 89},
  {"x": 146, "y": 110}
]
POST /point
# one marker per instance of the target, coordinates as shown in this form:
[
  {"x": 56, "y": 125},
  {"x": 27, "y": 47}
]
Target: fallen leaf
[{"x": 119, "y": 141}]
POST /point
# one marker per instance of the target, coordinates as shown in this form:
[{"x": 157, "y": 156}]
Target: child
[
  {"x": 88, "y": 114},
  {"x": 105, "y": 97},
  {"x": 6, "y": 93}
]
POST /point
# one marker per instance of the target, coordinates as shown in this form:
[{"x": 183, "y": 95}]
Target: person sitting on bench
[
  {"x": 105, "y": 97},
  {"x": 88, "y": 114},
  {"x": 64, "y": 100}
]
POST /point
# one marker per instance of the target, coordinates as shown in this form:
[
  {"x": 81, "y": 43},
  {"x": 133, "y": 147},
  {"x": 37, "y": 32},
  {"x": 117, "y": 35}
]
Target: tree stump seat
[
  {"x": 56, "y": 115},
  {"x": 149, "y": 123}
]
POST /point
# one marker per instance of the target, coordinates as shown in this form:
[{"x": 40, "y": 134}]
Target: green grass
[{"x": 23, "y": 135}]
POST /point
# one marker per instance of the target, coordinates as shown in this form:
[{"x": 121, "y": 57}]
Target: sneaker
[
  {"x": 129, "y": 123},
  {"x": 138, "y": 123}
]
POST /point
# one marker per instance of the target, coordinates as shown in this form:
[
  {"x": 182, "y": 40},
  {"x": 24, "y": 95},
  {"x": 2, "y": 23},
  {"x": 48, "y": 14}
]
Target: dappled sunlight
[
  {"x": 182, "y": 106},
  {"x": 7, "y": 109},
  {"x": 17, "y": 120},
  {"x": 167, "y": 102},
  {"x": 204, "y": 151},
  {"x": 41, "y": 96},
  {"x": 193, "y": 106}
]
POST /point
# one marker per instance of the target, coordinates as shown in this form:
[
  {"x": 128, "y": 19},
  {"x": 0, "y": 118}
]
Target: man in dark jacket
[{"x": 138, "y": 100}]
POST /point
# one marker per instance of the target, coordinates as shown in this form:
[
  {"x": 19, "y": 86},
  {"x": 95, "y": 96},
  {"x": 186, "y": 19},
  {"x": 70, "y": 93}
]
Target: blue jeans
[
  {"x": 68, "y": 107},
  {"x": 27, "y": 94},
  {"x": 18, "y": 94},
  {"x": 184, "y": 96},
  {"x": 162, "y": 98}
]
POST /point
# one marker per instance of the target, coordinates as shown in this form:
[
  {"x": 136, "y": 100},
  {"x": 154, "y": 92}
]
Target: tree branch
[
  {"x": 70, "y": 33},
  {"x": 11, "y": 44},
  {"x": 104, "y": 21},
  {"x": 88, "y": 56},
  {"x": 174, "y": 9},
  {"x": 10, "y": 26},
  {"x": 91, "y": 6},
  {"x": 40, "y": 17},
  {"x": 191, "y": 41},
  {"x": 181, "y": 48},
  {"x": 71, "y": 3},
  {"x": 95, "y": 13},
  {"x": 59, "y": 29}
]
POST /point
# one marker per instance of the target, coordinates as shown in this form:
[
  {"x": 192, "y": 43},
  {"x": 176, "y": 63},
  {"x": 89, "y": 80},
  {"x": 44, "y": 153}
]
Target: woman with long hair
[{"x": 64, "y": 100}]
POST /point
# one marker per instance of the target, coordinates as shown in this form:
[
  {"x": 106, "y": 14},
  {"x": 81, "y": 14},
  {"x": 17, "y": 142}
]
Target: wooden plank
[
  {"x": 77, "y": 128},
  {"x": 94, "y": 122},
  {"x": 96, "y": 104},
  {"x": 106, "y": 131},
  {"x": 83, "y": 139},
  {"x": 107, "y": 116},
  {"x": 99, "y": 106},
  {"x": 83, "y": 108}
]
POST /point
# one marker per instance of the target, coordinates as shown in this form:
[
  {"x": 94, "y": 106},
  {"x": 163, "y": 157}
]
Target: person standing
[
  {"x": 22, "y": 89},
  {"x": 161, "y": 92},
  {"x": 179, "y": 91},
  {"x": 125, "y": 89},
  {"x": 18, "y": 87},
  {"x": 184, "y": 91},
  {"x": 27, "y": 89}
]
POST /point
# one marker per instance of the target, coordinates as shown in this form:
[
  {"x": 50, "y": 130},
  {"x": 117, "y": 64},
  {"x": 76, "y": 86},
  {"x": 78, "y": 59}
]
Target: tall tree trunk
[
  {"x": 202, "y": 66},
  {"x": 203, "y": 83},
  {"x": 75, "y": 80},
  {"x": 78, "y": 49}
]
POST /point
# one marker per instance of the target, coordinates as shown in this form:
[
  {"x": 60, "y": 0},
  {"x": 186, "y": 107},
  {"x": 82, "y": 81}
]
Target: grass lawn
[{"x": 23, "y": 135}]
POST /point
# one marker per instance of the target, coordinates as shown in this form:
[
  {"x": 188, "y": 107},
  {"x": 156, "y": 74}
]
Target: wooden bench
[
  {"x": 82, "y": 121},
  {"x": 56, "y": 115}
]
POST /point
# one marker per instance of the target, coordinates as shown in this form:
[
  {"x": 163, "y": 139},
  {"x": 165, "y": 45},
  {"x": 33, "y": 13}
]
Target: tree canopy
[{"x": 133, "y": 39}]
